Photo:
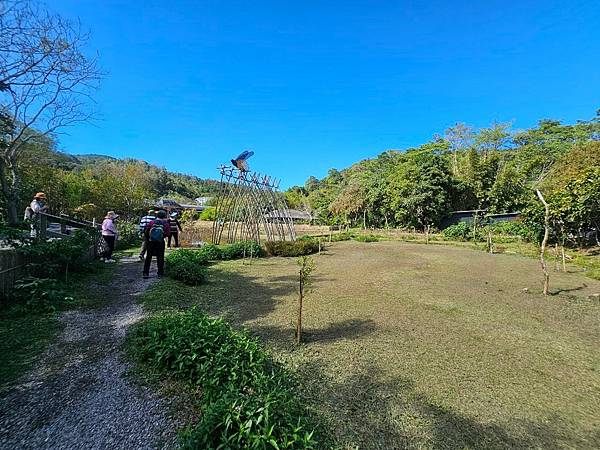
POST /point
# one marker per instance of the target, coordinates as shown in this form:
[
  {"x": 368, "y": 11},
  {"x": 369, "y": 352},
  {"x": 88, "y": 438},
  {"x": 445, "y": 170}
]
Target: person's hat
[
  {"x": 174, "y": 214},
  {"x": 151, "y": 211},
  {"x": 111, "y": 215},
  {"x": 40, "y": 195}
]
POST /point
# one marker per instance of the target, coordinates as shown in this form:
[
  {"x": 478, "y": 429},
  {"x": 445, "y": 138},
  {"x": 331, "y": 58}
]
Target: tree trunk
[
  {"x": 10, "y": 189},
  {"x": 365, "y": 219},
  {"x": 490, "y": 243},
  {"x": 427, "y": 234},
  {"x": 545, "y": 241},
  {"x": 299, "y": 321}
]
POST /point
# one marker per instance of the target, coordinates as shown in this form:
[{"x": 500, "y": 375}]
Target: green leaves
[{"x": 247, "y": 400}]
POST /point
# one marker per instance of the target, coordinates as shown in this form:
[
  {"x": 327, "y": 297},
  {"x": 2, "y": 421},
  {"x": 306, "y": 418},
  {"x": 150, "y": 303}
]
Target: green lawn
[{"x": 414, "y": 346}]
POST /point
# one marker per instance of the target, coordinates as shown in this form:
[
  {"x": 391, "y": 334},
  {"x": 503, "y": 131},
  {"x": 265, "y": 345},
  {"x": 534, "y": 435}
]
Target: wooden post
[
  {"x": 490, "y": 242},
  {"x": 545, "y": 241}
]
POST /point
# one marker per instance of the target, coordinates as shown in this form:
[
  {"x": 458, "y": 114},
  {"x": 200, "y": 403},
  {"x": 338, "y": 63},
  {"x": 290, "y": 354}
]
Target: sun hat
[
  {"x": 151, "y": 211},
  {"x": 174, "y": 214},
  {"x": 111, "y": 215},
  {"x": 40, "y": 195}
]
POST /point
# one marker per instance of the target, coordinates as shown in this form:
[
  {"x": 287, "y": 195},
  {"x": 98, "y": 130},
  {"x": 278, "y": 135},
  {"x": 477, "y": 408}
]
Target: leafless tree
[
  {"x": 46, "y": 80},
  {"x": 545, "y": 241}
]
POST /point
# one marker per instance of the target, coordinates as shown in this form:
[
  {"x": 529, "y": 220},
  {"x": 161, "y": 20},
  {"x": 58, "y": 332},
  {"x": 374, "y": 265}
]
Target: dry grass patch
[{"x": 424, "y": 346}]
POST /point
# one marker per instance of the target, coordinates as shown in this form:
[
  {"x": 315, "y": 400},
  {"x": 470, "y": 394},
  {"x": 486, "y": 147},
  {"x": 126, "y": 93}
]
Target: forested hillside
[
  {"x": 92, "y": 184},
  {"x": 494, "y": 168}
]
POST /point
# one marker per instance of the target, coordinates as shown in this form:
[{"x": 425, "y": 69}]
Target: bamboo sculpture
[{"x": 249, "y": 207}]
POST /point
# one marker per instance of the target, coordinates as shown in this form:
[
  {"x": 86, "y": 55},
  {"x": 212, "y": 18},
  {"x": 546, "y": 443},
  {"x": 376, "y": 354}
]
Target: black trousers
[
  {"x": 110, "y": 246},
  {"x": 155, "y": 249},
  {"x": 174, "y": 236}
]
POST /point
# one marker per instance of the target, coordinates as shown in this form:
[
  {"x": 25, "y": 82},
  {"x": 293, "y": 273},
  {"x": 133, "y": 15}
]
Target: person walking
[
  {"x": 175, "y": 229},
  {"x": 32, "y": 212},
  {"x": 156, "y": 231},
  {"x": 142, "y": 230},
  {"x": 110, "y": 236}
]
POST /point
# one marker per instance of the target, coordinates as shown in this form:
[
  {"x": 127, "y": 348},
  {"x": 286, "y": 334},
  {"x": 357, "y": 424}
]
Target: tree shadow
[
  {"x": 368, "y": 409},
  {"x": 339, "y": 331},
  {"x": 563, "y": 290}
]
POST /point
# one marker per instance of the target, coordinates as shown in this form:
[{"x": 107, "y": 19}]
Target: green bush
[
  {"x": 209, "y": 214},
  {"x": 33, "y": 294},
  {"x": 345, "y": 236},
  {"x": 128, "y": 234},
  {"x": 513, "y": 228},
  {"x": 211, "y": 251},
  {"x": 247, "y": 400},
  {"x": 292, "y": 248},
  {"x": 241, "y": 249},
  {"x": 187, "y": 266},
  {"x": 366, "y": 238},
  {"x": 461, "y": 231}
]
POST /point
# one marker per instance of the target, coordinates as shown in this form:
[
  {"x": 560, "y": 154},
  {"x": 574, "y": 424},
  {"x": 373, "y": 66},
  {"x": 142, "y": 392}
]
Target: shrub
[
  {"x": 211, "y": 251},
  {"x": 209, "y": 214},
  {"x": 186, "y": 266},
  {"x": 345, "y": 236},
  {"x": 33, "y": 294},
  {"x": 247, "y": 400},
  {"x": 292, "y": 248},
  {"x": 128, "y": 234},
  {"x": 461, "y": 231},
  {"x": 241, "y": 249},
  {"x": 366, "y": 238}
]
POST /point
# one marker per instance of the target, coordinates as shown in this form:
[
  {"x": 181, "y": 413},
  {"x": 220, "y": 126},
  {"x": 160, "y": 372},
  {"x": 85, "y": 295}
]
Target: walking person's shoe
[{"x": 110, "y": 261}]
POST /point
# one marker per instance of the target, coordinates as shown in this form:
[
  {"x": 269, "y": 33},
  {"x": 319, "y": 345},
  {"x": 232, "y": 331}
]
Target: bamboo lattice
[{"x": 250, "y": 207}]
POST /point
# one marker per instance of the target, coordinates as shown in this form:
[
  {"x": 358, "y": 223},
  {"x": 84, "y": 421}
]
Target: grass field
[{"x": 414, "y": 346}]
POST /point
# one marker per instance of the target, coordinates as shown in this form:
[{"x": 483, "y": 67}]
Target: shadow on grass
[
  {"x": 345, "y": 330},
  {"x": 365, "y": 408}
]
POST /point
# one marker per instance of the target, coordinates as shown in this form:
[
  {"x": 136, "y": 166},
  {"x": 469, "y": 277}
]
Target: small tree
[
  {"x": 307, "y": 265},
  {"x": 545, "y": 241}
]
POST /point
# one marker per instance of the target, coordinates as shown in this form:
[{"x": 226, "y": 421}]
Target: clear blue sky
[{"x": 310, "y": 85}]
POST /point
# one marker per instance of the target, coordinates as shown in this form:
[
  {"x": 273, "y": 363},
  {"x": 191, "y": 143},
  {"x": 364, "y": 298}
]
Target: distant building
[
  {"x": 467, "y": 217},
  {"x": 294, "y": 214},
  {"x": 168, "y": 204},
  {"x": 202, "y": 201}
]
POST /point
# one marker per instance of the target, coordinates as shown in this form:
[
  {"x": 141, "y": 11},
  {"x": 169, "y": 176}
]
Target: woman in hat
[
  {"x": 37, "y": 205},
  {"x": 110, "y": 235}
]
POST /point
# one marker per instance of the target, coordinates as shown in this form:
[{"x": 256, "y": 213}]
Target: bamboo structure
[{"x": 249, "y": 207}]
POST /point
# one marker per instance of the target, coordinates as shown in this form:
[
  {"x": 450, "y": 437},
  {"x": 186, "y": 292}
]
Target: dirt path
[{"x": 77, "y": 396}]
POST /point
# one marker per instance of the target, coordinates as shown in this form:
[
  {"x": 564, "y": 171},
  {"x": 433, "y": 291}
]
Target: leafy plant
[
  {"x": 187, "y": 266},
  {"x": 128, "y": 234},
  {"x": 461, "y": 231},
  {"x": 211, "y": 251},
  {"x": 39, "y": 295},
  {"x": 241, "y": 249},
  {"x": 247, "y": 400},
  {"x": 292, "y": 248}
]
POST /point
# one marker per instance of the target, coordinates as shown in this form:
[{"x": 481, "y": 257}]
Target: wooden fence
[{"x": 13, "y": 264}]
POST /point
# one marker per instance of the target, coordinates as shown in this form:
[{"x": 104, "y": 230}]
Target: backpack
[
  {"x": 28, "y": 213},
  {"x": 157, "y": 232}
]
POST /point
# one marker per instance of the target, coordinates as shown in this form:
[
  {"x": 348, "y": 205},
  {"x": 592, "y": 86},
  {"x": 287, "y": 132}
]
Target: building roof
[{"x": 291, "y": 213}]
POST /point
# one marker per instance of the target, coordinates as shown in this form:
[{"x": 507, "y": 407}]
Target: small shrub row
[
  {"x": 463, "y": 231},
  {"x": 247, "y": 400},
  {"x": 187, "y": 266},
  {"x": 243, "y": 249},
  {"x": 366, "y": 238},
  {"x": 345, "y": 236},
  {"x": 292, "y": 248}
]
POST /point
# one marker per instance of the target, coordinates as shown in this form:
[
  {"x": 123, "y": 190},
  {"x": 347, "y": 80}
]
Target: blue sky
[{"x": 310, "y": 85}]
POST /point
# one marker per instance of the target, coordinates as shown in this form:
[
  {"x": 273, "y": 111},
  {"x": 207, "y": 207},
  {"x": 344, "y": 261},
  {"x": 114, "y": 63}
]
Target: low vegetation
[
  {"x": 454, "y": 342},
  {"x": 292, "y": 248},
  {"x": 247, "y": 400}
]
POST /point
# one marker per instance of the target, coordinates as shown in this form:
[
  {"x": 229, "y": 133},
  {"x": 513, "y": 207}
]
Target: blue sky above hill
[{"x": 313, "y": 85}]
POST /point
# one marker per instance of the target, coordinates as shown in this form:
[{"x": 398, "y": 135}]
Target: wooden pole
[{"x": 545, "y": 241}]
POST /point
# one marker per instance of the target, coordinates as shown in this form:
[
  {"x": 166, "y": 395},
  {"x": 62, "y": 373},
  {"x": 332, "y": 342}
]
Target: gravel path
[{"x": 77, "y": 396}]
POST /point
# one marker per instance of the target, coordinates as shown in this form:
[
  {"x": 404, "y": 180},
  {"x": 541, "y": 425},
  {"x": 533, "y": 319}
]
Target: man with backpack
[{"x": 155, "y": 232}]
